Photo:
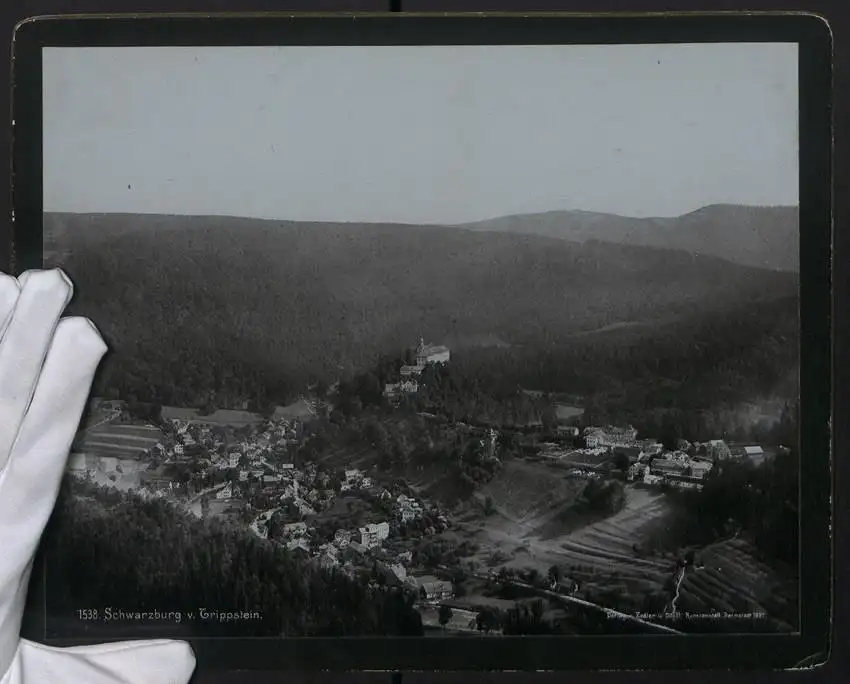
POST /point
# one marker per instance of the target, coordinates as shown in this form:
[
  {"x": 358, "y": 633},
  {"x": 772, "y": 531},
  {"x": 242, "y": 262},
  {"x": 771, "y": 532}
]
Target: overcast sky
[{"x": 419, "y": 134}]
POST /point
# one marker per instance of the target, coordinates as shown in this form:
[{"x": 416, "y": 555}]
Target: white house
[
  {"x": 433, "y": 589},
  {"x": 717, "y": 448},
  {"x": 394, "y": 572},
  {"x": 651, "y": 479},
  {"x": 77, "y": 462},
  {"x": 700, "y": 469},
  {"x": 610, "y": 436},
  {"x": 225, "y": 492},
  {"x": 372, "y": 535}
]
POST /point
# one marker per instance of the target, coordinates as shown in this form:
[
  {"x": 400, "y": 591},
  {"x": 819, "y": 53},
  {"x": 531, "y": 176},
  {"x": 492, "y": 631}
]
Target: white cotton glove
[{"x": 46, "y": 371}]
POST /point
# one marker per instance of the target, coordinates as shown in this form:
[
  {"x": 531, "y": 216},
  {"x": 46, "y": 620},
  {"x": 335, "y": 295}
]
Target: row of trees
[{"x": 679, "y": 375}]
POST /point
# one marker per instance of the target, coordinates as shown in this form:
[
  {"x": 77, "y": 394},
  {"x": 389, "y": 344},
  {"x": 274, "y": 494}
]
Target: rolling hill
[
  {"x": 197, "y": 307},
  {"x": 764, "y": 237}
]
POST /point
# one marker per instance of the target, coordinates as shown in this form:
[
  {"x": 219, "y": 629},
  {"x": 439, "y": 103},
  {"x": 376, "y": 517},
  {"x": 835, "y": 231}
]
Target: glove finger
[
  {"x": 10, "y": 289},
  {"x": 30, "y": 483},
  {"x": 23, "y": 349},
  {"x": 134, "y": 662}
]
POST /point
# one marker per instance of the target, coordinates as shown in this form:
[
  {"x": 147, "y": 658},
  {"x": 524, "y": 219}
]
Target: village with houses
[{"x": 251, "y": 470}]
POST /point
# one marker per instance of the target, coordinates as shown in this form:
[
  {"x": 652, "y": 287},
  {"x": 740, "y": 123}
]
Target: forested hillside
[{"x": 216, "y": 310}]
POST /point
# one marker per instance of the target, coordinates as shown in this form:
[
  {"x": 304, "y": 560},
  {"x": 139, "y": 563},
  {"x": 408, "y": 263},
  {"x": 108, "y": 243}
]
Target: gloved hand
[{"x": 46, "y": 370}]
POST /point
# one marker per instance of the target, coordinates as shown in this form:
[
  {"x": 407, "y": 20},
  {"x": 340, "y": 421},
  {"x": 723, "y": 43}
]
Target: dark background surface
[{"x": 837, "y": 12}]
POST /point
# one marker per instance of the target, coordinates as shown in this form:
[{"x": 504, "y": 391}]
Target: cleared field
[
  {"x": 732, "y": 580},
  {"x": 522, "y": 492},
  {"x": 222, "y": 417},
  {"x": 618, "y": 534},
  {"x": 124, "y": 481},
  {"x": 530, "y": 529},
  {"x": 565, "y": 411}
]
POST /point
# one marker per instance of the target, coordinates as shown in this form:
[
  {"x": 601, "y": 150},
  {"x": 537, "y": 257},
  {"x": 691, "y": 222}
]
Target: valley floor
[{"x": 522, "y": 520}]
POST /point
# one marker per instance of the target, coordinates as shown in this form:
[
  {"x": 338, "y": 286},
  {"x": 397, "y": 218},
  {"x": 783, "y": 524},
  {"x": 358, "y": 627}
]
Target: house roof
[
  {"x": 436, "y": 586},
  {"x": 663, "y": 464}
]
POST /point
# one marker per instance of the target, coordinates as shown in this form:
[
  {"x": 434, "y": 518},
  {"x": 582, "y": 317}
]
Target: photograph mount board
[{"x": 440, "y": 343}]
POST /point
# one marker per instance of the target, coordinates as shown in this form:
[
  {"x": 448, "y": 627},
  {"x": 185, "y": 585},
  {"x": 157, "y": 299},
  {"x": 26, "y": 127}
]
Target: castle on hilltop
[{"x": 426, "y": 353}]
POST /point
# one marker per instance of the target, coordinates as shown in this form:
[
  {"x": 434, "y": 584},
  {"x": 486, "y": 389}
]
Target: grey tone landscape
[{"x": 341, "y": 401}]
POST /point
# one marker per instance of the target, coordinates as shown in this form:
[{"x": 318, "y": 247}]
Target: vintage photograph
[{"x": 429, "y": 340}]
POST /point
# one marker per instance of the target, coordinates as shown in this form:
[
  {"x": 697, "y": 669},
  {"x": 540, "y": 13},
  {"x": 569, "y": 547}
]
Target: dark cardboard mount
[{"x": 811, "y": 645}]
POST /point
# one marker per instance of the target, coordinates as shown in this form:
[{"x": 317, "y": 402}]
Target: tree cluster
[{"x": 760, "y": 501}]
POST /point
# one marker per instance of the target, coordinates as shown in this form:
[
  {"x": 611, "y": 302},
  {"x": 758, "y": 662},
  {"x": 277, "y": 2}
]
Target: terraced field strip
[
  {"x": 129, "y": 433},
  {"x": 731, "y": 579},
  {"x": 583, "y": 550},
  {"x": 119, "y": 440},
  {"x": 102, "y": 449}
]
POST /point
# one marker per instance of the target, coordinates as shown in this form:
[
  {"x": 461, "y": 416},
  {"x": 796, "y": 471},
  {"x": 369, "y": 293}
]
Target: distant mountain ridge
[
  {"x": 764, "y": 237},
  {"x": 760, "y": 236}
]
